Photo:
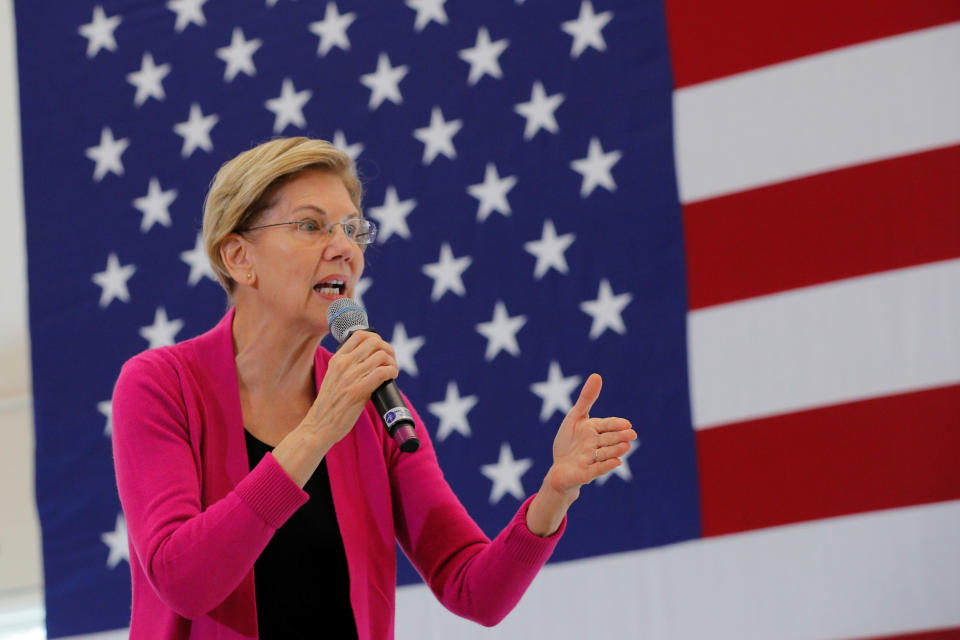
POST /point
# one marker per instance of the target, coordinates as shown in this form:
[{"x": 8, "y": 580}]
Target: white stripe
[
  {"x": 848, "y": 106},
  {"x": 853, "y": 339},
  {"x": 857, "y": 576}
]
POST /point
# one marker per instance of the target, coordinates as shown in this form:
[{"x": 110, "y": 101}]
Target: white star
[
  {"x": 447, "y": 273},
  {"x": 437, "y": 137},
  {"x": 113, "y": 281},
  {"x": 555, "y": 391},
  {"x": 453, "y": 412},
  {"x": 428, "y": 10},
  {"x": 549, "y": 250},
  {"x": 116, "y": 540},
  {"x": 501, "y": 332},
  {"x": 239, "y": 55},
  {"x": 383, "y": 83},
  {"x": 99, "y": 32},
  {"x": 539, "y": 111},
  {"x": 391, "y": 216},
  {"x": 353, "y": 150},
  {"x": 107, "y": 154},
  {"x": 288, "y": 108},
  {"x": 163, "y": 331},
  {"x": 199, "y": 262},
  {"x": 155, "y": 205},
  {"x": 148, "y": 80},
  {"x": 105, "y": 407},
  {"x": 606, "y": 310},
  {"x": 188, "y": 11},
  {"x": 595, "y": 168},
  {"x": 405, "y": 348},
  {"x": 624, "y": 469},
  {"x": 195, "y": 131},
  {"x": 361, "y": 288},
  {"x": 492, "y": 193},
  {"x": 506, "y": 474},
  {"x": 483, "y": 57},
  {"x": 332, "y": 30},
  {"x": 586, "y": 29}
]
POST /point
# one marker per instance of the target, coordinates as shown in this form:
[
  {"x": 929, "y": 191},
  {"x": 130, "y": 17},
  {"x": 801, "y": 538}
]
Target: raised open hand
[{"x": 586, "y": 447}]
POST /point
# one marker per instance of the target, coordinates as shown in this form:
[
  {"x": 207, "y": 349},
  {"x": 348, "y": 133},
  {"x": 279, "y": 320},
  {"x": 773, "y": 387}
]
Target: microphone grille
[{"x": 344, "y": 316}]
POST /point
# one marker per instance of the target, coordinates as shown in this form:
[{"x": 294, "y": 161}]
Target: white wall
[{"x": 20, "y": 564}]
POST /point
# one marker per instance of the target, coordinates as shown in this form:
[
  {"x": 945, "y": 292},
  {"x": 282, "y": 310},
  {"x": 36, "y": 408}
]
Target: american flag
[{"x": 744, "y": 215}]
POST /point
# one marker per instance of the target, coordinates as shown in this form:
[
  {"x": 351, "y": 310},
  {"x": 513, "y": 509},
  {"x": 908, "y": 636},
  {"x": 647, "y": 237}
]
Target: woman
[{"x": 216, "y": 439}]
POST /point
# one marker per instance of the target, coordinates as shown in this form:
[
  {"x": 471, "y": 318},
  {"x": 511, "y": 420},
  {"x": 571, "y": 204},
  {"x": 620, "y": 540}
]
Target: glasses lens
[
  {"x": 357, "y": 229},
  {"x": 362, "y": 231}
]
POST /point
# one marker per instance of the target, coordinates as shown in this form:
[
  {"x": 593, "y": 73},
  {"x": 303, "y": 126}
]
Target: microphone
[{"x": 344, "y": 316}]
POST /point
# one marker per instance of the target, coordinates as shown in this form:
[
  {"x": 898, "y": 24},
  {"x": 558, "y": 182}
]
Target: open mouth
[{"x": 330, "y": 288}]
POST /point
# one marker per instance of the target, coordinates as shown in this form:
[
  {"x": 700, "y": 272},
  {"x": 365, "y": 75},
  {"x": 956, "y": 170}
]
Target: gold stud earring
[{"x": 249, "y": 274}]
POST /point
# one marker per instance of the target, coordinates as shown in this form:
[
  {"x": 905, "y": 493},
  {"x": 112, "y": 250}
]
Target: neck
[{"x": 270, "y": 357}]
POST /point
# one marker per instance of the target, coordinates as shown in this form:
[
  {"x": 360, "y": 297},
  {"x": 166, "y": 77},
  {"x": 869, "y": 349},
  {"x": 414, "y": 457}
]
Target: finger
[
  {"x": 382, "y": 345},
  {"x": 588, "y": 395},
  {"x": 616, "y": 437},
  {"x": 606, "y": 466},
  {"x": 603, "y": 425},
  {"x": 376, "y": 360},
  {"x": 389, "y": 349},
  {"x": 613, "y": 451},
  {"x": 379, "y": 374},
  {"x": 369, "y": 346},
  {"x": 355, "y": 340}
]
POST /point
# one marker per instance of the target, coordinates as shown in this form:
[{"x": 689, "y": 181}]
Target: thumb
[{"x": 588, "y": 395}]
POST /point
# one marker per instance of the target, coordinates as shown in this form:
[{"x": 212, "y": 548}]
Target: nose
[{"x": 339, "y": 246}]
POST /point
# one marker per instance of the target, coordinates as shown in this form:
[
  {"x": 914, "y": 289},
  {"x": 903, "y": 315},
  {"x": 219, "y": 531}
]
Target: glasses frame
[{"x": 329, "y": 229}]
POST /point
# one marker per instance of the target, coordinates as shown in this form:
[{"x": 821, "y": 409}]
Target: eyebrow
[{"x": 310, "y": 207}]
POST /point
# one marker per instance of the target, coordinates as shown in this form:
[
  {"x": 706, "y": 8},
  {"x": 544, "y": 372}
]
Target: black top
[{"x": 301, "y": 579}]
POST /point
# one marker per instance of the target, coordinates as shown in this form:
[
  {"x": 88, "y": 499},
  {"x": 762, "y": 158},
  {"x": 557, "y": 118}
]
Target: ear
[{"x": 237, "y": 257}]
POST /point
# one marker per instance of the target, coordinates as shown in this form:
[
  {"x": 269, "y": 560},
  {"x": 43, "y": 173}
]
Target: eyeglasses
[{"x": 360, "y": 230}]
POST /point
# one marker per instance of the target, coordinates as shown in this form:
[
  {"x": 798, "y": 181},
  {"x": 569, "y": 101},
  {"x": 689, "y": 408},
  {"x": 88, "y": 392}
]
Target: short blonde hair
[{"x": 246, "y": 185}]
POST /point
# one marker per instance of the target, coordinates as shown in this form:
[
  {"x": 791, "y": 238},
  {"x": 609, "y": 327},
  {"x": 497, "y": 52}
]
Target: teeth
[{"x": 331, "y": 287}]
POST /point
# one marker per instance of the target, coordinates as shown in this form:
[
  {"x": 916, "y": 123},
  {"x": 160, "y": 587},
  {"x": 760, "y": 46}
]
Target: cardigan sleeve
[
  {"x": 472, "y": 576},
  {"x": 193, "y": 557}
]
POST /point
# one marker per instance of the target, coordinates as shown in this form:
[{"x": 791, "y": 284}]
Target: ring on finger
[{"x": 596, "y": 455}]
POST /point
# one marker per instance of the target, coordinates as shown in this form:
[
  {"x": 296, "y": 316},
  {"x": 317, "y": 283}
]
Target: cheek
[
  {"x": 357, "y": 269},
  {"x": 360, "y": 264},
  {"x": 289, "y": 270}
]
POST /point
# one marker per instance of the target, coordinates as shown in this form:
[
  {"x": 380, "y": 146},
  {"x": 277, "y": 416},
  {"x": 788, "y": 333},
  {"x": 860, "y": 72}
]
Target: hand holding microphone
[
  {"x": 349, "y": 326},
  {"x": 363, "y": 363}
]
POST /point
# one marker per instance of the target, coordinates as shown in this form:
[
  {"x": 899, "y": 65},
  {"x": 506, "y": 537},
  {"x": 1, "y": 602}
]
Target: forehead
[{"x": 313, "y": 192}]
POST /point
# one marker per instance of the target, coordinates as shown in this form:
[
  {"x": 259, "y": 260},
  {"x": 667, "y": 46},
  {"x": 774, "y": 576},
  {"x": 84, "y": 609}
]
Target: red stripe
[
  {"x": 883, "y": 453},
  {"x": 952, "y": 633},
  {"x": 873, "y": 217},
  {"x": 714, "y": 39}
]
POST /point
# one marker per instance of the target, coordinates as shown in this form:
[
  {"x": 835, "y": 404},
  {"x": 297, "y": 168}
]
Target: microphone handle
[{"x": 396, "y": 416}]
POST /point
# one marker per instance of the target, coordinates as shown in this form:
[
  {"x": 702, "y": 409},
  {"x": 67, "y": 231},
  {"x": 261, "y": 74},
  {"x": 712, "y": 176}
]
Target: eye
[
  {"x": 308, "y": 225},
  {"x": 350, "y": 228}
]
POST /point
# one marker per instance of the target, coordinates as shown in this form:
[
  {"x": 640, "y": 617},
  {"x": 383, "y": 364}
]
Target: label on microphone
[{"x": 395, "y": 415}]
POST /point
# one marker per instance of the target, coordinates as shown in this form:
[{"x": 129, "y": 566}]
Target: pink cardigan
[{"x": 198, "y": 518}]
